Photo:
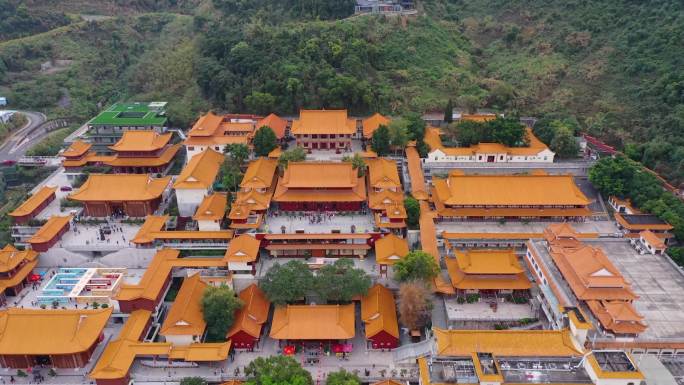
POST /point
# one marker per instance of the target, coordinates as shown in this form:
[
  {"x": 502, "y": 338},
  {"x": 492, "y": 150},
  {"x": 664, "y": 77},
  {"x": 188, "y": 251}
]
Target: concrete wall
[{"x": 188, "y": 201}]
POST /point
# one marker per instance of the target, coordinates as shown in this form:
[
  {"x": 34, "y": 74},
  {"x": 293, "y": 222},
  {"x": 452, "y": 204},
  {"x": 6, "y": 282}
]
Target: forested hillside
[{"x": 615, "y": 66}]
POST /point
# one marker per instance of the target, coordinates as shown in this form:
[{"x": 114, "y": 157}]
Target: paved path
[{"x": 20, "y": 141}]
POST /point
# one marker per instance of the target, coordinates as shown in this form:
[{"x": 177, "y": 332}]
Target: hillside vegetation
[{"x": 615, "y": 67}]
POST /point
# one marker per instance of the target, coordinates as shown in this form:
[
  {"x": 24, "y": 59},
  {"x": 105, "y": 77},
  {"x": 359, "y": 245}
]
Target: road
[{"x": 16, "y": 145}]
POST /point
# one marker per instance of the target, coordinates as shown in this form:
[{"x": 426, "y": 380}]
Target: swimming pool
[{"x": 60, "y": 285}]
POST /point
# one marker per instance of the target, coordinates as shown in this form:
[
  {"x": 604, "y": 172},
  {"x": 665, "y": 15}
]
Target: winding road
[{"x": 16, "y": 145}]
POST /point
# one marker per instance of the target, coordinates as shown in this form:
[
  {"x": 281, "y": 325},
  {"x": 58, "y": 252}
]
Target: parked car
[
  {"x": 65, "y": 188},
  {"x": 8, "y": 162}
]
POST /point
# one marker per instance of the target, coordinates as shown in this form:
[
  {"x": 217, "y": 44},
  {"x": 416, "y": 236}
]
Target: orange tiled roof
[
  {"x": 201, "y": 171},
  {"x": 378, "y": 312},
  {"x": 383, "y": 174},
  {"x": 18, "y": 276},
  {"x": 313, "y": 322},
  {"x": 185, "y": 316},
  {"x": 509, "y": 190},
  {"x": 222, "y": 140},
  {"x": 320, "y": 182},
  {"x": 77, "y": 148},
  {"x": 314, "y": 236},
  {"x": 50, "y": 229},
  {"x": 34, "y": 201},
  {"x": 244, "y": 248},
  {"x": 10, "y": 257},
  {"x": 523, "y": 343},
  {"x": 319, "y": 175},
  {"x": 206, "y": 125},
  {"x": 157, "y": 272},
  {"x": 276, "y": 123},
  {"x": 379, "y": 200},
  {"x": 323, "y": 122},
  {"x": 372, "y": 123},
  {"x": 652, "y": 239},
  {"x": 275, "y": 154},
  {"x": 487, "y": 270},
  {"x": 119, "y": 355},
  {"x": 89, "y": 158},
  {"x": 212, "y": 208},
  {"x": 165, "y": 157},
  {"x": 141, "y": 141},
  {"x": 48, "y": 332},
  {"x": 587, "y": 270},
  {"x": 120, "y": 187},
  {"x": 617, "y": 316},
  {"x": 153, "y": 223},
  {"x": 259, "y": 174},
  {"x": 253, "y": 314},
  {"x": 418, "y": 188},
  {"x": 390, "y": 249}
]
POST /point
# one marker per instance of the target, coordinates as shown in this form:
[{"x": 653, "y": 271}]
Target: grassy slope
[
  {"x": 617, "y": 65},
  {"x": 148, "y": 56}
]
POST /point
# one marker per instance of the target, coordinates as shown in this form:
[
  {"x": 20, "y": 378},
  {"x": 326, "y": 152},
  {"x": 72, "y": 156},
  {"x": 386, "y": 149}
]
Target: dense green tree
[
  {"x": 417, "y": 265},
  {"x": 449, "y": 112},
  {"x": 380, "y": 142},
  {"x": 277, "y": 370},
  {"x": 238, "y": 152},
  {"x": 341, "y": 281},
  {"x": 261, "y": 103},
  {"x": 625, "y": 178},
  {"x": 193, "y": 381},
  {"x": 466, "y": 132},
  {"x": 265, "y": 141},
  {"x": 564, "y": 143},
  {"x": 296, "y": 154},
  {"x": 507, "y": 131},
  {"x": 218, "y": 308},
  {"x": 412, "y": 212},
  {"x": 358, "y": 163},
  {"x": 342, "y": 377},
  {"x": 231, "y": 174},
  {"x": 398, "y": 134},
  {"x": 287, "y": 283}
]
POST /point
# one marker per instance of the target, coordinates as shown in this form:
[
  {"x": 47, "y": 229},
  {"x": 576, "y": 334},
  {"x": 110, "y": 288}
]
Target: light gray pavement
[
  {"x": 482, "y": 311},
  {"x": 308, "y": 223},
  {"x": 658, "y": 284},
  {"x": 601, "y": 227}
]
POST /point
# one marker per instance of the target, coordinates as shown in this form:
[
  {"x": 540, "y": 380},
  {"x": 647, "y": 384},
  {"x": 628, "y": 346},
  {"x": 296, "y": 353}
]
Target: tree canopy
[
  {"x": 416, "y": 265},
  {"x": 341, "y": 281},
  {"x": 507, "y": 131},
  {"x": 342, "y": 377},
  {"x": 277, "y": 370},
  {"x": 287, "y": 283},
  {"x": 625, "y": 178},
  {"x": 380, "y": 141},
  {"x": 412, "y": 211},
  {"x": 358, "y": 163},
  {"x": 293, "y": 281},
  {"x": 193, "y": 381},
  {"x": 265, "y": 141},
  {"x": 296, "y": 154},
  {"x": 219, "y": 305}
]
